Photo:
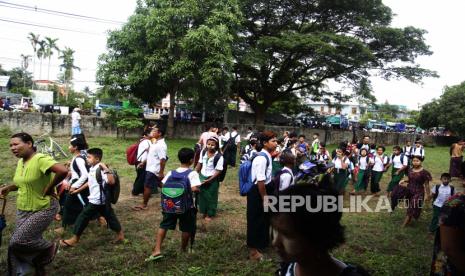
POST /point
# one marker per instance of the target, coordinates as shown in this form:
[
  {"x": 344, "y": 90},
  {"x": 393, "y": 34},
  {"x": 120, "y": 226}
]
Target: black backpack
[
  {"x": 230, "y": 145},
  {"x": 111, "y": 192},
  {"x": 217, "y": 157},
  {"x": 277, "y": 180},
  {"x": 402, "y": 156},
  {"x": 76, "y": 167},
  {"x": 436, "y": 192}
]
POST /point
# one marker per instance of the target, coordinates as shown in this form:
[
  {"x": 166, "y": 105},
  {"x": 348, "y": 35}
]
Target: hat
[{"x": 76, "y": 109}]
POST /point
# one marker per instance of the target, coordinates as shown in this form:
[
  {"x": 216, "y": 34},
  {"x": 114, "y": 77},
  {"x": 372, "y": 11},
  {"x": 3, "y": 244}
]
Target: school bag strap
[
  {"x": 76, "y": 167},
  {"x": 267, "y": 162},
  {"x": 146, "y": 150}
]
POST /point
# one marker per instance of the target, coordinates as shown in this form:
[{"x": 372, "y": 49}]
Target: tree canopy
[
  {"x": 294, "y": 47},
  {"x": 172, "y": 47},
  {"x": 447, "y": 111},
  {"x": 264, "y": 51}
]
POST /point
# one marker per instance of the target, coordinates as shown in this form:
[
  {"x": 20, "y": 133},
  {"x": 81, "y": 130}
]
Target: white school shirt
[
  {"x": 444, "y": 192},
  {"x": 286, "y": 179},
  {"x": 278, "y": 149},
  {"x": 407, "y": 150},
  {"x": 379, "y": 162},
  {"x": 208, "y": 168},
  {"x": 75, "y": 117},
  {"x": 80, "y": 180},
  {"x": 418, "y": 151},
  {"x": 396, "y": 161},
  {"x": 322, "y": 157},
  {"x": 362, "y": 162},
  {"x": 338, "y": 162},
  {"x": 143, "y": 150},
  {"x": 193, "y": 176},
  {"x": 94, "y": 187},
  {"x": 157, "y": 152},
  {"x": 260, "y": 172}
]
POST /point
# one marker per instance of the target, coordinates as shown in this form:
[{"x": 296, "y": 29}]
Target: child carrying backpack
[
  {"x": 440, "y": 193},
  {"x": 210, "y": 167},
  {"x": 177, "y": 203},
  {"x": 104, "y": 190}
]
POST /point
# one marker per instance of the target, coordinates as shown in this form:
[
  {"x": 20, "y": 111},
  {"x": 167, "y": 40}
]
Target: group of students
[{"x": 295, "y": 235}]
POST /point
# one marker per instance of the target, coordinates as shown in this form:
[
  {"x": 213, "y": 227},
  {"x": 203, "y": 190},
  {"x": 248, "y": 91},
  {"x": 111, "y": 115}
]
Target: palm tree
[
  {"x": 24, "y": 66},
  {"x": 67, "y": 57},
  {"x": 50, "y": 45},
  {"x": 34, "y": 39},
  {"x": 41, "y": 54}
]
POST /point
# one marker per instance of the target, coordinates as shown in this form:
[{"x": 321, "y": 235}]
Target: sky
[{"x": 443, "y": 20}]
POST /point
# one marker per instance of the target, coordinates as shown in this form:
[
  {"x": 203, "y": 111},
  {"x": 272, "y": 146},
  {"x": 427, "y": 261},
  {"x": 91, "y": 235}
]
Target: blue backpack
[
  {"x": 176, "y": 193},
  {"x": 245, "y": 174}
]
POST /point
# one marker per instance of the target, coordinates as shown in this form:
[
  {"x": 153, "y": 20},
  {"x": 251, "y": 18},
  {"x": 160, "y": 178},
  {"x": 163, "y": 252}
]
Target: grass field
[{"x": 374, "y": 240}]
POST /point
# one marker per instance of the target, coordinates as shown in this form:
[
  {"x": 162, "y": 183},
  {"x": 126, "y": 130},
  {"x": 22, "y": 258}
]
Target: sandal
[
  {"x": 64, "y": 244},
  {"x": 154, "y": 258}
]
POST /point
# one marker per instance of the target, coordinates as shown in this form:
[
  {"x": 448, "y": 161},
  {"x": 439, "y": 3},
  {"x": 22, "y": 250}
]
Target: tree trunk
[
  {"x": 48, "y": 70},
  {"x": 260, "y": 111},
  {"x": 33, "y": 71},
  {"x": 203, "y": 113},
  {"x": 171, "y": 113},
  {"x": 40, "y": 69}
]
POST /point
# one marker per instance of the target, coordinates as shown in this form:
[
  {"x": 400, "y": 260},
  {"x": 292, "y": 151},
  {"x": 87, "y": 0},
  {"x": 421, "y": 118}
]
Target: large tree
[
  {"x": 447, "y": 111},
  {"x": 50, "y": 46},
  {"x": 171, "y": 47},
  {"x": 290, "y": 47}
]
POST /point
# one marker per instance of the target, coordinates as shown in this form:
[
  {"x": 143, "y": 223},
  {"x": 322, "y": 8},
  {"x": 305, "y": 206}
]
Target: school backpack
[
  {"x": 277, "y": 180},
  {"x": 414, "y": 149},
  {"x": 76, "y": 167},
  {"x": 436, "y": 191},
  {"x": 402, "y": 156},
  {"x": 131, "y": 153},
  {"x": 230, "y": 145},
  {"x": 176, "y": 193},
  {"x": 111, "y": 192},
  {"x": 217, "y": 157},
  {"x": 245, "y": 174}
]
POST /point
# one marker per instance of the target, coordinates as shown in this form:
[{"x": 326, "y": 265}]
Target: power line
[
  {"x": 48, "y": 27},
  {"x": 59, "y": 13}
]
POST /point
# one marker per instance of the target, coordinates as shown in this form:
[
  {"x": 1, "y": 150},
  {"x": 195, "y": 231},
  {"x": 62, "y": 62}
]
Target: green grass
[{"x": 374, "y": 240}]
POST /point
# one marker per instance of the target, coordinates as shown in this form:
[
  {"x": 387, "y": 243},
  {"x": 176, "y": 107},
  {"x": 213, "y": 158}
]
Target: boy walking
[
  {"x": 187, "y": 217},
  {"x": 440, "y": 194},
  {"x": 155, "y": 166},
  {"x": 97, "y": 201}
]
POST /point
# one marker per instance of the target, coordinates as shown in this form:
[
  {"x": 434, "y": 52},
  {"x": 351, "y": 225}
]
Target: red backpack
[{"x": 131, "y": 153}]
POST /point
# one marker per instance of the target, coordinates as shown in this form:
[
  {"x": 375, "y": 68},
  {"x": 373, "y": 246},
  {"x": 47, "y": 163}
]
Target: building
[
  {"x": 4, "y": 80},
  {"x": 47, "y": 85},
  {"x": 352, "y": 109}
]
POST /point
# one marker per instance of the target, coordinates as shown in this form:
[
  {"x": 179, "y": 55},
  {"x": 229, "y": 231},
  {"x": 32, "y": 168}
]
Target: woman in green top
[{"x": 37, "y": 206}]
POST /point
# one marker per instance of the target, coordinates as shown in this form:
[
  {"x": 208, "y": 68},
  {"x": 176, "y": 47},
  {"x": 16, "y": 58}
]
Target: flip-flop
[
  {"x": 64, "y": 244},
  {"x": 153, "y": 258}
]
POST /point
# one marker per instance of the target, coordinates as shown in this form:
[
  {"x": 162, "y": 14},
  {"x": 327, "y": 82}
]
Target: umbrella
[{"x": 2, "y": 220}]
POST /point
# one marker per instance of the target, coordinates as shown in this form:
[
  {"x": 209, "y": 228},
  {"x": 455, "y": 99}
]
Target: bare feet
[
  {"x": 140, "y": 208},
  {"x": 102, "y": 221},
  {"x": 58, "y": 217},
  {"x": 69, "y": 243}
]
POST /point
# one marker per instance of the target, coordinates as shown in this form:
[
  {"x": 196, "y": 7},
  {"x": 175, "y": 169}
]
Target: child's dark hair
[
  {"x": 418, "y": 157},
  {"x": 266, "y": 136},
  {"x": 365, "y": 150},
  {"x": 78, "y": 143},
  {"x": 316, "y": 134},
  {"x": 322, "y": 144},
  {"x": 372, "y": 146},
  {"x": 446, "y": 175},
  {"x": 397, "y": 148},
  {"x": 311, "y": 226},
  {"x": 381, "y": 147},
  {"x": 185, "y": 155},
  {"x": 287, "y": 158},
  {"x": 217, "y": 142},
  {"x": 302, "y": 136},
  {"x": 162, "y": 131},
  {"x": 96, "y": 152}
]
